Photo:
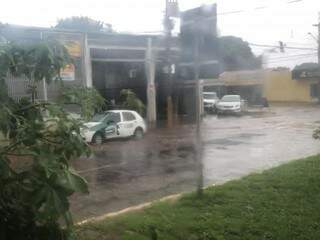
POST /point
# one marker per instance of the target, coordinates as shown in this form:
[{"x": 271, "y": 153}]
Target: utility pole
[
  {"x": 168, "y": 28},
  {"x": 44, "y": 84},
  {"x": 171, "y": 11},
  {"x": 318, "y": 39},
  {"x": 151, "y": 90}
]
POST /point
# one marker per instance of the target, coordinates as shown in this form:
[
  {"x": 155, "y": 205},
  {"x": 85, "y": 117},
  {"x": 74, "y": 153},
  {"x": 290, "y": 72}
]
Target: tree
[
  {"x": 38, "y": 140},
  {"x": 37, "y": 61},
  {"x": 83, "y": 24},
  {"x": 131, "y": 101},
  {"x": 88, "y": 99},
  {"x": 306, "y": 70},
  {"x": 236, "y": 54}
]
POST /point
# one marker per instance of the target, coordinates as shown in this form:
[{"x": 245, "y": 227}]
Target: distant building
[{"x": 276, "y": 85}]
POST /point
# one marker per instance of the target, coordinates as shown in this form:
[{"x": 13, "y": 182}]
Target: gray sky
[{"x": 274, "y": 20}]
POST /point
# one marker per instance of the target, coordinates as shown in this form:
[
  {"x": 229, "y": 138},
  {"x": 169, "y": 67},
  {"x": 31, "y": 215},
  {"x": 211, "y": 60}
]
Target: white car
[
  {"x": 114, "y": 124},
  {"x": 231, "y": 104},
  {"x": 210, "y": 100}
]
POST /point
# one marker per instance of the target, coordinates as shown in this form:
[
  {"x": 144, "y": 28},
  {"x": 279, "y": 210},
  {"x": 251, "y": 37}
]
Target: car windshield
[
  {"x": 98, "y": 117},
  {"x": 231, "y": 98},
  {"x": 209, "y": 95}
]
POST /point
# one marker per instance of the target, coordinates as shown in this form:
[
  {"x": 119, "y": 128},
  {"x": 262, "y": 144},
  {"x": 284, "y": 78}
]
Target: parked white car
[
  {"x": 114, "y": 124},
  {"x": 210, "y": 100},
  {"x": 231, "y": 104}
]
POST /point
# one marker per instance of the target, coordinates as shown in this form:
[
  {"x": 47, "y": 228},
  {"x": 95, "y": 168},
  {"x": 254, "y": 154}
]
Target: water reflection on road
[{"x": 127, "y": 172}]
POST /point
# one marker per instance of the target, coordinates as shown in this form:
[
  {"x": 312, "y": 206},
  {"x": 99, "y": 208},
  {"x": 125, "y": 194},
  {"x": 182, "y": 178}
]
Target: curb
[{"x": 130, "y": 209}]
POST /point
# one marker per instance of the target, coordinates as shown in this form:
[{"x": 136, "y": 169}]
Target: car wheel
[
  {"x": 138, "y": 133},
  {"x": 97, "y": 138}
]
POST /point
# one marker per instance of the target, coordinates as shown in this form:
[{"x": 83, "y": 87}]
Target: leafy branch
[{"x": 35, "y": 199}]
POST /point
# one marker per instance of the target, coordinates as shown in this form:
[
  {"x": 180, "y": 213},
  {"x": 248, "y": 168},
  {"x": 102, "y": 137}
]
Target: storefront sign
[{"x": 68, "y": 73}]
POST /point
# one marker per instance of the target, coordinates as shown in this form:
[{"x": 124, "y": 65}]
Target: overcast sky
[{"x": 263, "y": 22}]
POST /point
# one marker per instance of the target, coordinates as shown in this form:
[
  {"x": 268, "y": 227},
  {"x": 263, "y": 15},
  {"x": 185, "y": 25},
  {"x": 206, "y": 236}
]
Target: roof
[
  {"x": 212, "y": 93},
  {"x": 120, "y": 111},
  {"x": 306, "y": 71}
]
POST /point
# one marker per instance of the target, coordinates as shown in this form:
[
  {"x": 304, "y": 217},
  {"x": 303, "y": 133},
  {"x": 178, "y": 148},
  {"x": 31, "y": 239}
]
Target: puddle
[
  {"x": 250, "y": 135},
  {"x": 223, "y": 141}
]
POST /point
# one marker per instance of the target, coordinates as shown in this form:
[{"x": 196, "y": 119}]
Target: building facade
[{"x": 275, "y": 85}]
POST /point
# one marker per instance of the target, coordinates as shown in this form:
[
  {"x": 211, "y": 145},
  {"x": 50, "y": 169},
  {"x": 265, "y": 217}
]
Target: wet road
[{"x": 127, "y": 173}]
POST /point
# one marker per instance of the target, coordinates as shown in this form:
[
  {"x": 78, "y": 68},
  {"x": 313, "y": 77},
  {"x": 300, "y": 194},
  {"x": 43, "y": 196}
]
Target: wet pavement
[{"x": 127, "y": 172}]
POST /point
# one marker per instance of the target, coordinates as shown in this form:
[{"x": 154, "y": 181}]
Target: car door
[
  {"x": 128, "y": 124},
  {"x": 112, "y": 121}
]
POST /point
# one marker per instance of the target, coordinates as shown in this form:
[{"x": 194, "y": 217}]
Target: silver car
[
  {"x": 210, "y": 100},
  {"x": 231, "y": 104}
]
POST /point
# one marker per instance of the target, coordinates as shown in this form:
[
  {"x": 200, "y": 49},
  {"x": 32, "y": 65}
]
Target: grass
[{"x": 281, "y": 203}]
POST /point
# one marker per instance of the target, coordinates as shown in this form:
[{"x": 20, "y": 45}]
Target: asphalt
[{"x": 125, "y": 173}]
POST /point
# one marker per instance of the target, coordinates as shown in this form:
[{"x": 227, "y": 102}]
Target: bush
[
  {"x": 130, "y": 101},
  {"x": 38, "y": 141},
  {"x": 89, "y": 100}
]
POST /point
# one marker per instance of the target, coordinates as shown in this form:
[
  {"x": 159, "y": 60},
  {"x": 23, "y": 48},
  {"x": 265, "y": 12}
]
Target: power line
[
  {"x": 305, "y": 59},
  {"x": 291, "y": 59},
  {"x": 285, "y": 60},
  {"x": 272, "y": 51},
  {"x": 256, "y": 8},
  {"x": 277, "y": 46},
  {"x": 294, "y": 1},
  {"x": 231, "y": 12},
  {"x": 292, "y": 56},
  {"x": 296, "y": 43}
]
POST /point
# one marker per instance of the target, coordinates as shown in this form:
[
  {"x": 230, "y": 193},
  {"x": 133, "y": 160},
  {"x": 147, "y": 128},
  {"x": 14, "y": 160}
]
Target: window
[
  {"x": 97, "y": 118},
  {"x": 314, "y": 92},
  {"x": 113, "y": 117},
  {"x": 132, "y": 73},
  {"x": 230, "y": 98},
  {"x": 128, "y": 116}
]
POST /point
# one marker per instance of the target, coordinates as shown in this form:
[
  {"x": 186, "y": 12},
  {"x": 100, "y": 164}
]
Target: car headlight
[
  {"x": 237, "y": 106},
  {"x": 84, "y": 130}
]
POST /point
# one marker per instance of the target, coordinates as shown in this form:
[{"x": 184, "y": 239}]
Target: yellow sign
[
  {"x": 73, "y": 47},
  {"x": 68, "y": 73}
]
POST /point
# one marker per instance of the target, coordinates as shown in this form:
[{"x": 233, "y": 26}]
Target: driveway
[{"x": 127, "y": 173}]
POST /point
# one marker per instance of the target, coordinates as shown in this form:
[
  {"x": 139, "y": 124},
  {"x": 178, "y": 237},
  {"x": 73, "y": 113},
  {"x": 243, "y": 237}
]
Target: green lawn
[{"x": 281, "y": 203}]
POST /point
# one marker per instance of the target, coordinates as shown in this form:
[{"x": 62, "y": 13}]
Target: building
[
  {"x": 109, "y": 62},
  {"x": 276, "y": 85}
]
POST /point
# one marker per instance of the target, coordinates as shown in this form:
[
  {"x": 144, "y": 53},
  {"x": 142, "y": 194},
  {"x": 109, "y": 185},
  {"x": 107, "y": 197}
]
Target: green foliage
[
  {"x": 89, "y": 100},
  {"x": 306, "y": 70},
  {"x": 83, "y": 24},
  {"x": 38, "y": 61},
  {"x": 281, "y": 203},
  {"x": 130, "y": 101},
  {"x": 236, "y": 54},
  {"x": 39, "y": 140}
]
